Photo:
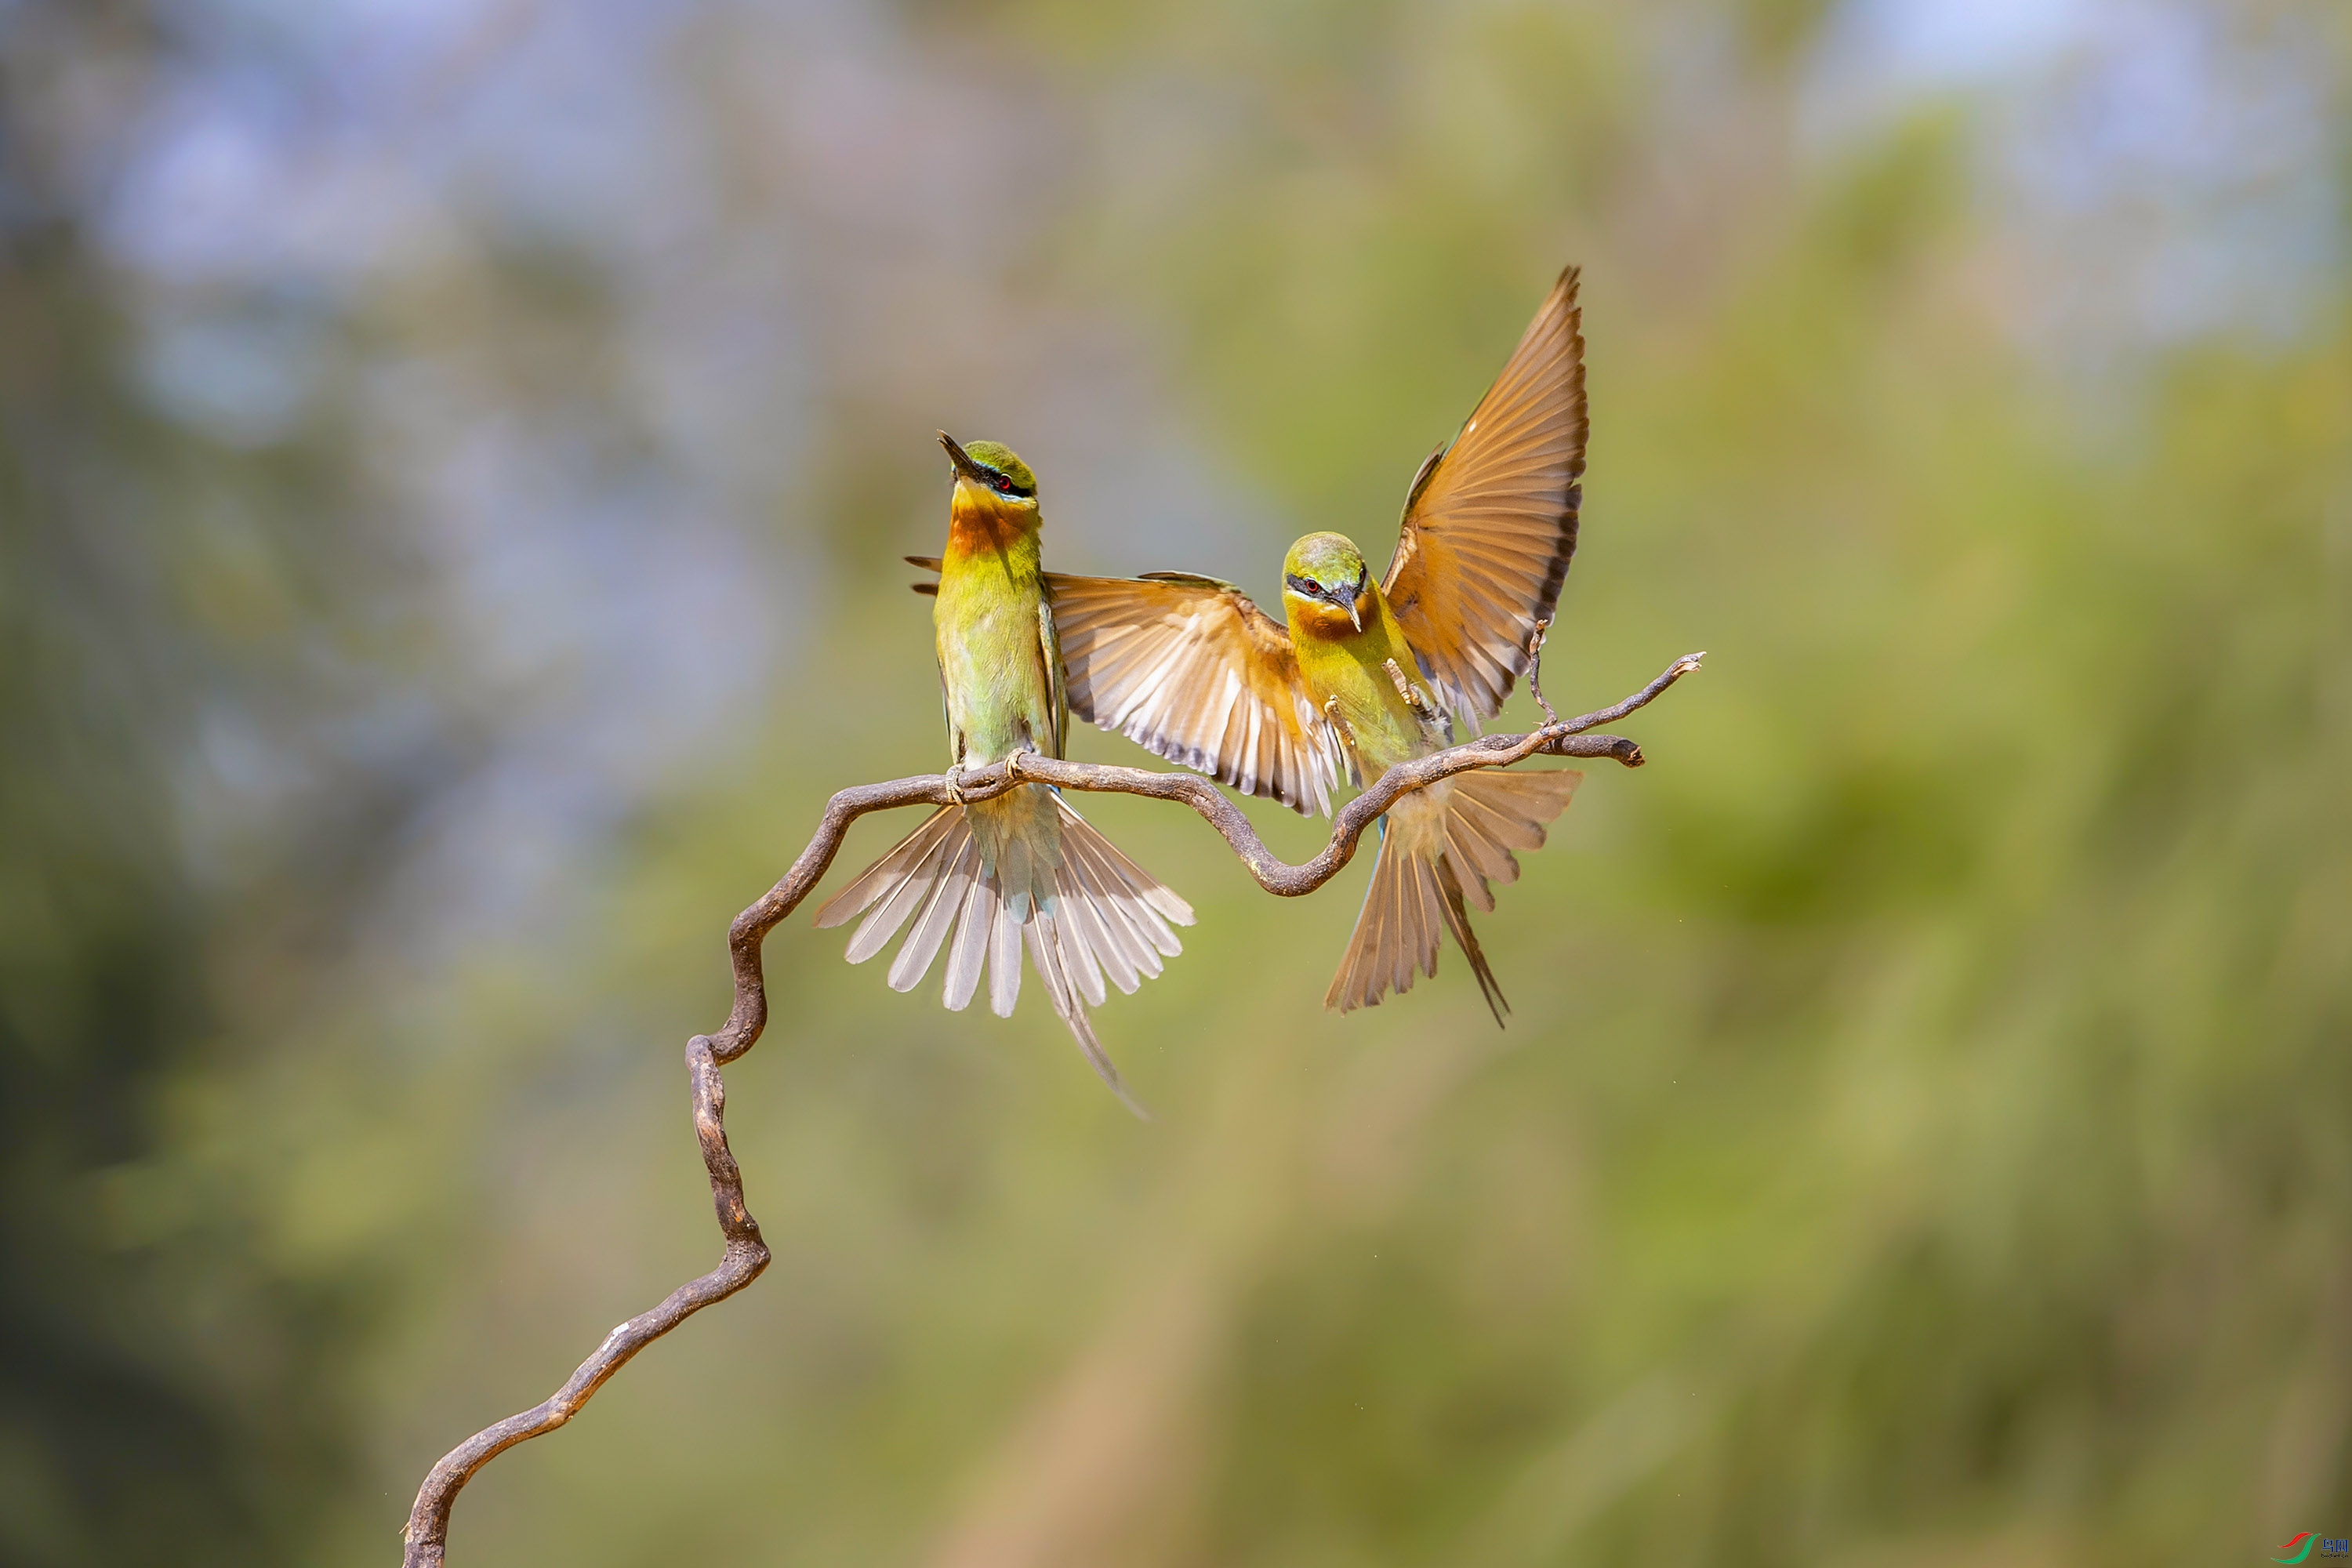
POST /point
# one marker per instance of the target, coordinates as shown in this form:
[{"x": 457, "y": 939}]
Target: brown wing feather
[
  {"x": 1190, "y": 668},
  {"x": 1490, "y": 524}
]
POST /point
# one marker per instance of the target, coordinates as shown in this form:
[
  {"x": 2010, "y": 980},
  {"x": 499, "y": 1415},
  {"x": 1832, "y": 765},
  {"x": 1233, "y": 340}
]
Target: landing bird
[
  {"x": 1365, "y": 676},
  {"x": 1021, "y": 869}
]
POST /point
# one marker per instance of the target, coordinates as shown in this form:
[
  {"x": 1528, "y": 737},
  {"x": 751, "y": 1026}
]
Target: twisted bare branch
[{"x": 742, "y": 1253}]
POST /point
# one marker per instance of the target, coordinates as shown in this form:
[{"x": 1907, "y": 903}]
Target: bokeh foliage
[{"x": 1921, "y": 1136}]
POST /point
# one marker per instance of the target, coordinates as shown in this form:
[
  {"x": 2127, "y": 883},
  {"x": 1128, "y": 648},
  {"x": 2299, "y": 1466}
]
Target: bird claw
[
  {"x": 1414, "y": 698},
  {"x": 955, "y": 783},
  {"x": 1423, "y": 711}
]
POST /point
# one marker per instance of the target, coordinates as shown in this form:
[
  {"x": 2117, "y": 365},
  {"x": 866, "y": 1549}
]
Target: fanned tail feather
[
  {"x": 1491, "y": 814},
  {"x": 1439, "y": 850},
  {"x": 983, "y": 881},
  {"x": 1396, "y": 935},
  {"x": 1057, "y": 952}
]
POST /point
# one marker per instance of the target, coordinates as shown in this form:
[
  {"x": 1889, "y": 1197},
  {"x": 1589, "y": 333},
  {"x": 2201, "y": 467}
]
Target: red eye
[{"x": 1003, "y": 484}]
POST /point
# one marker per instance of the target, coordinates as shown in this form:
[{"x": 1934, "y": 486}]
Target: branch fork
[{"x": 742, "y": 1253}]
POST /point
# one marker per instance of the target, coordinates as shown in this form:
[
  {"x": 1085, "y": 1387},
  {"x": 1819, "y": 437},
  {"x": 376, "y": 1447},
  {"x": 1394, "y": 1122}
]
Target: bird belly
[
  {"x": 991, "y": 665},
  {"x": 1347, "y": 682}
]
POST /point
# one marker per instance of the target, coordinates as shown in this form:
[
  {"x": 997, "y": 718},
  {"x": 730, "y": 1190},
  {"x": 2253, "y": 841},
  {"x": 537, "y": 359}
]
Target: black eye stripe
[
  {"x": 1298, "y": 584},
  {"x": 1002, "y": 482}
]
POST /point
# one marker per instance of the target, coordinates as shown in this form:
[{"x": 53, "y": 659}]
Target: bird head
[
  {"x": 994, "y": 471},
  {"x": 1325, "y": 576}
]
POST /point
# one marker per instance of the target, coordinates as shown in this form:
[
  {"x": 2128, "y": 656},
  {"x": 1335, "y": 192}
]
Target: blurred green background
[{"x": 453, "y": 459}]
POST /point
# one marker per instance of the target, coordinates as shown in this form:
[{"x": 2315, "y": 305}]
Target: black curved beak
[
  {"x": 964, "y": 465},
  {"x": 1342, "y": 600},
  {"x": 1348, "y": 598}
]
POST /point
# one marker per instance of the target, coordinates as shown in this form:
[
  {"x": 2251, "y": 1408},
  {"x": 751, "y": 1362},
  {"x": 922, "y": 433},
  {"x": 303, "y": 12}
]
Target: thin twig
[
  {"x": 742, "y": 1253},
  {"x": 1534, "y": 668}
]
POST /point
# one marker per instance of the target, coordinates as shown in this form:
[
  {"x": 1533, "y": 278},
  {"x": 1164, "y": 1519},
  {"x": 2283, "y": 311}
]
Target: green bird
[
  {"x": 984, "y": 879},
  {"x": 1362, "y": 675}
]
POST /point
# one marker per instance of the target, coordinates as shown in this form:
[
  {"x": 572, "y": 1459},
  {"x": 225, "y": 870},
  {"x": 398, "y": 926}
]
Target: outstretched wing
[
  {"x": 1491, "y": 521},
  {"x": 1188, "y": 668}
]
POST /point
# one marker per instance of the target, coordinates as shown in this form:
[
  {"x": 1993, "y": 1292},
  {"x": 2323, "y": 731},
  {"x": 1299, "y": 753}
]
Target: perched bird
[
  {"x": 985, "y": 879},
  {"x": 1366, "y": 675}
]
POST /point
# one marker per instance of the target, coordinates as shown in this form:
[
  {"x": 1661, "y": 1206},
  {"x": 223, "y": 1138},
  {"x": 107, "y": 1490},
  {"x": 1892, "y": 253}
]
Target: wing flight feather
[
  {"x": 1191, "y": 669},
  {"x": 1490, "y": 522}
]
